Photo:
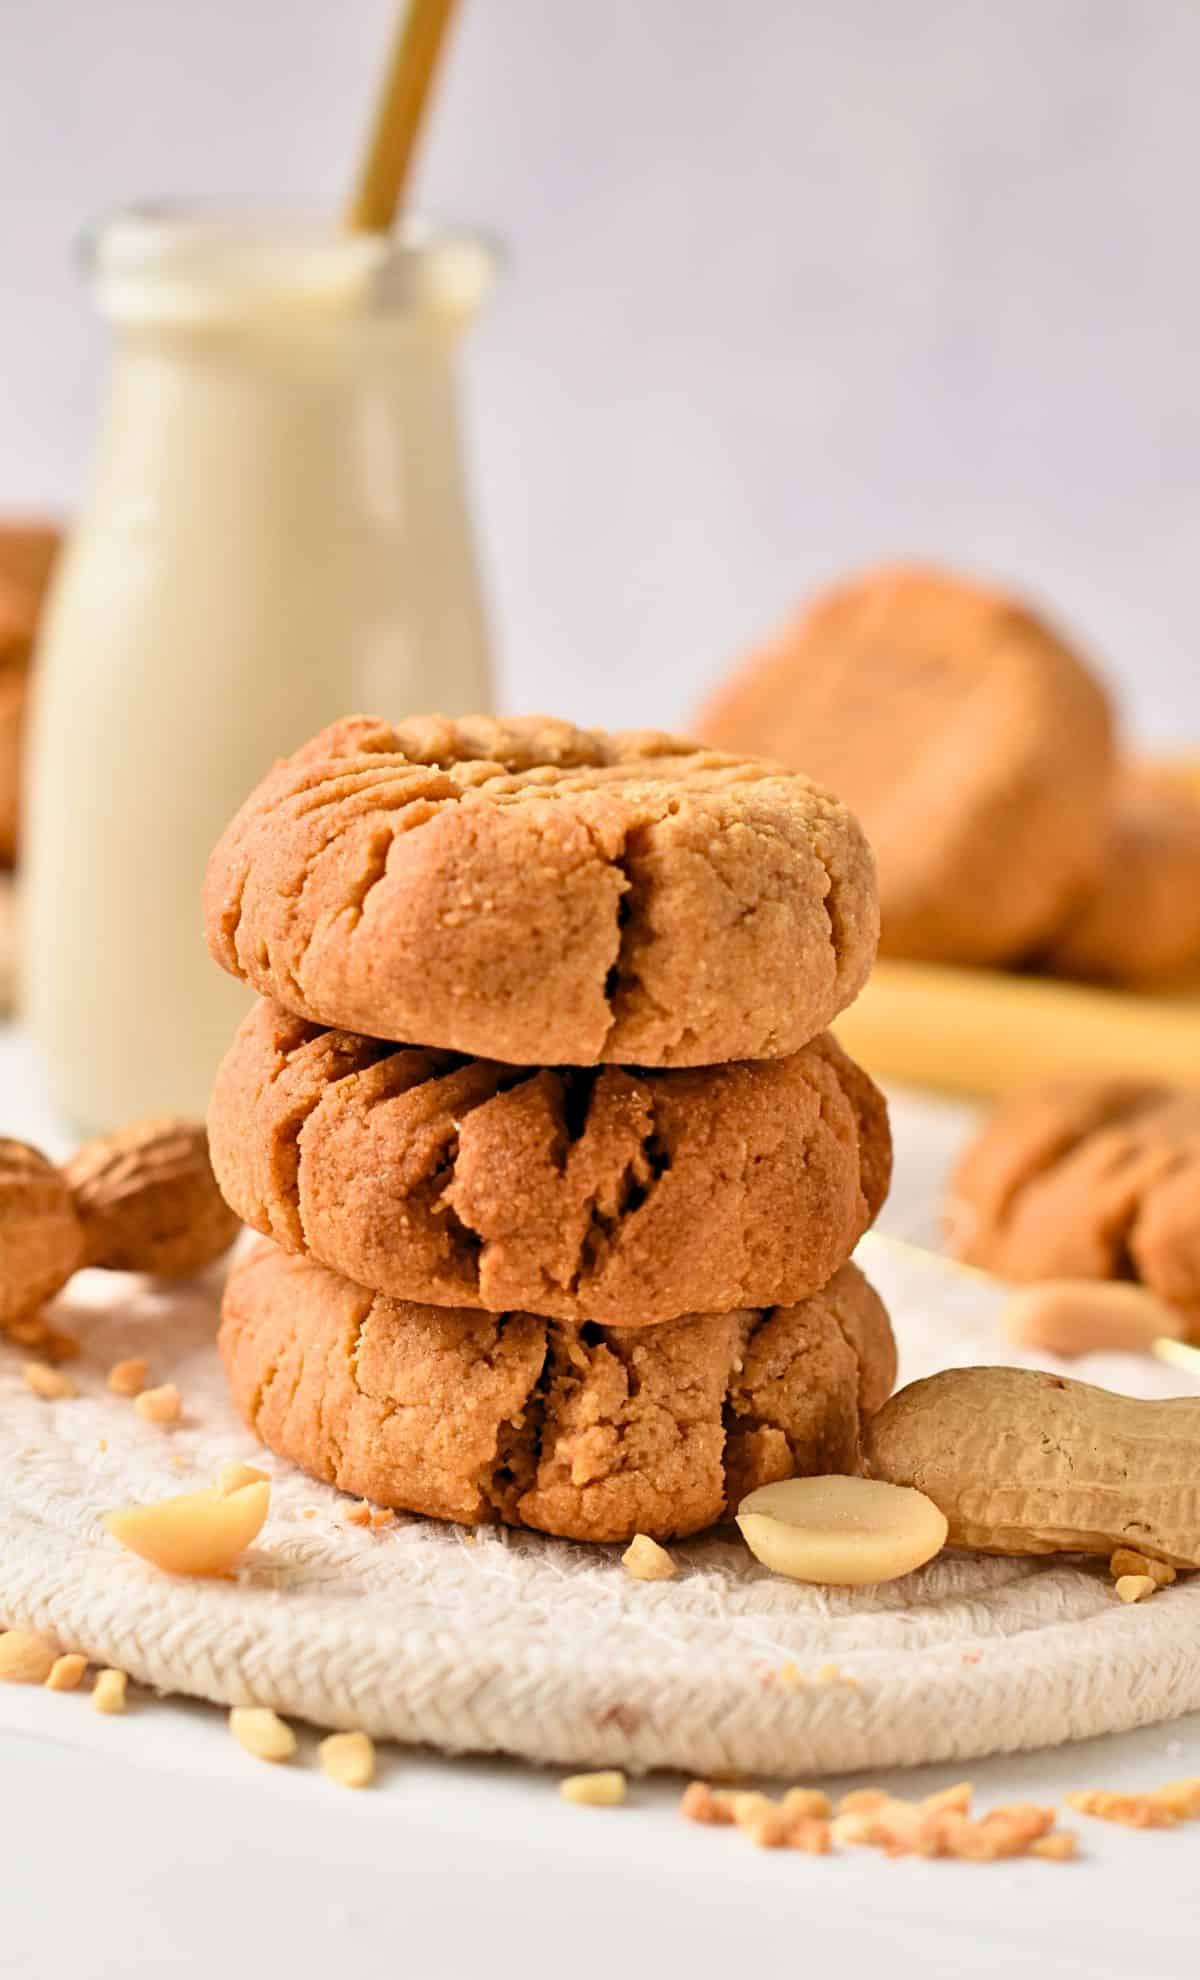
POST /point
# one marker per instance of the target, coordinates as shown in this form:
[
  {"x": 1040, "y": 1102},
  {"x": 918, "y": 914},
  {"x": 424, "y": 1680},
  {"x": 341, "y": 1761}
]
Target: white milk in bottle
[{"x": 277, "y": 534}]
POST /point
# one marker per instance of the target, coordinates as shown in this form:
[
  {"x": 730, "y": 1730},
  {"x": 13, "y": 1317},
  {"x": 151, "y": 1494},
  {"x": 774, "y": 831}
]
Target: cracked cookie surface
[
  {"x": 1086, "y": 1179},
  {"x": 972, "y": 743},
  {"x": 590, "y": 1433},
  {"x": 543, "y": 894},
  {"x": 583, "y": 1194}
]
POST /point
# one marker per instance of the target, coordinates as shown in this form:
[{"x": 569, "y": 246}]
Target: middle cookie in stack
[{"x": 585, "y": 1298}]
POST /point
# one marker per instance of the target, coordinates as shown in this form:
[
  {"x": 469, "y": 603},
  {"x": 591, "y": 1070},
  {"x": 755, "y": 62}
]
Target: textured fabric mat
[{"x": 511, "y": 1643}]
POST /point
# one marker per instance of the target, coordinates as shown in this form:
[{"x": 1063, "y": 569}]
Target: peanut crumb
[
  {"x": 262, "y": 1732},
  {"x": 600, "y": 1790},
  {"x": 310, "y": 1512},
  {"x": 1132, "y": 1811},
  {"x": 1135, "y": 1587},
  {"x": 1058, "y": 1847},
  {"x": 1181, "y": 1799},
  {"x": 47, "y": 1382},
  {"x": 358, "y": 1515},
  {"x": 381, "y": 1516},
  {"x": 235, "y": 1474},
  {"x": 645, "y": 1560},
  {"x": 102, "y": 1444},
  {"x": 807, "y": 1804},
  {"x": 348, "y": 1758},
  {"x": 863, "y": 1801},
  {"x": 957, "y": 1797},
  {"x": 25, "y": 1657},
  {"x": 700, "y": 1803},
  {"x": 128, "y": 1378},
  {"x": 161, "y": 1405},
  {"x": 66, "y": 1672},
  {"x": 108, "y": 1692},
  {"x": 790, "y": 1676}
]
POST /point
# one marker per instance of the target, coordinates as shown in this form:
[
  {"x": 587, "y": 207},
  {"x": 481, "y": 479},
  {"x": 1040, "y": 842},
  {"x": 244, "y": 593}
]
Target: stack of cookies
[{"x": 573, "y": 1254}]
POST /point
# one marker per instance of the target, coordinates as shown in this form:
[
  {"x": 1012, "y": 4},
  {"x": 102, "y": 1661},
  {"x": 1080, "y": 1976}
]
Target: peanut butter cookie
[
  {"x": 1141, "y": 919},
  {"x": 591, "y": 1433},
  {"x": 544, "y": 894},
  {"x": 972, "y": 743},
  {"x": 603, "y": 1194},
  {"x": 1086, "y": 1179}
]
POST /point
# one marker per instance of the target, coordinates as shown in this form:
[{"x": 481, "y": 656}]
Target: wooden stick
[{"x": 399, "y": 115}]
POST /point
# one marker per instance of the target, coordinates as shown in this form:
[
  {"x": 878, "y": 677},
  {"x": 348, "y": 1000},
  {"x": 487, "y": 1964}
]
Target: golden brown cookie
[
  {"x": 28, "y": 553},
  {"x": 13, "y": 694},
  {"x": 591, "y": 1433},
  {"x": 547, "y": 895},
  {"x": 973, "y": 744},
  {"x": 600, "y": 1194},
  {"x": 1141, "y": 919},
  {"x": 1087, "y": 1179}
]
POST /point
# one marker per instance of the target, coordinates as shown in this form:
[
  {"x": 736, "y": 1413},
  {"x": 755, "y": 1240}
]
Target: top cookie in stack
[{"x": 614, "y": 1121}]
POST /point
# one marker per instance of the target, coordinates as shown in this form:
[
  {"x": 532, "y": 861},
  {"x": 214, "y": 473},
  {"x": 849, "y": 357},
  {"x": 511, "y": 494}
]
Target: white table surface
[{"x": 151, "y": 1844}]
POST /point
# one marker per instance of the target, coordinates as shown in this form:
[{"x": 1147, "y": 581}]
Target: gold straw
[{"x": 398, "y": 118}]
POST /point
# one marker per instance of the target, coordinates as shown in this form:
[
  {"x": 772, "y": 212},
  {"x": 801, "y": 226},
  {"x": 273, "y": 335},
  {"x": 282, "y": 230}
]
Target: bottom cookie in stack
[{"x": 586, "y": 1432}]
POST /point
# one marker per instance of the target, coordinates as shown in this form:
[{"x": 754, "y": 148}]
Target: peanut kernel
[
  {"x": 645, "y": 1560},
  {"x": 47, "y": 1382},
  {"x": 161, "y": 1405},
  {"x": 66, "y": 1672},
  {"x": 348, "y": 1758},
  {"x": 25, "y": 1657},
  {"x": 262, "y": 1732},
  {"x": 235, "y": 1474},
  {"x": 600, "y": 1790},
  {"x": 128, "y": 1378},
  {"x": 1135, "y": 1587},
  {"x": 108, "y": 1692}
]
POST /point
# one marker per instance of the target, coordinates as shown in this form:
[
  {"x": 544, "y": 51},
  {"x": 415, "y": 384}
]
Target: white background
[{"x": 793, "y": 283}]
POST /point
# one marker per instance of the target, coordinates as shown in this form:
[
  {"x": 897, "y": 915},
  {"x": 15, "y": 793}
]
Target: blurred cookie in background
[
  {"x": 973, "y": 743},
  {"x": 1085, "y": 1179},
  {"x": 1141, "y": 920},
  {"x": 27, "y": 554}
]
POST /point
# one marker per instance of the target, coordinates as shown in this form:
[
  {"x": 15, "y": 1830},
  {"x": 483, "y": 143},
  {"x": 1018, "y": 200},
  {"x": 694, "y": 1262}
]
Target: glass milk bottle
[{"x": 277, "y": 534}]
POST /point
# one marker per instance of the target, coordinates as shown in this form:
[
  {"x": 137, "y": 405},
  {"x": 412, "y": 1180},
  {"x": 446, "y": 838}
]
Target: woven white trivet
[{"x": 499, "y": 1642}]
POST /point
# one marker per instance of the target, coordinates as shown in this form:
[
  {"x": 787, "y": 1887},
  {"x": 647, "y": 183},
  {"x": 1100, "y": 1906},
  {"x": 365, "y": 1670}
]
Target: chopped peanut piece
[
  {"x": 47, "y": 1382},
  {"x": 645, "y": 1560},
  {"x": 1132, "y": 1811},
  {"x": 1135, "y": 1587},
  {"x": 863, "y": 1801},
  {"x": 66, "y": 1672},
  {"x": 25, "y": 1657},
  {"x": 791, "y": 1675},
  {"x": 358, "y": 1515},
  {"x": 161, "y": 1405},
  {"x": 348, "y": 1758},
  {"x": 128, "y": 1378},
  {"x": 700, "y": 1803},
  {"x": 262, "y": 1732},
  {"x": 807, "y": 1804},
  {"x": 1058, "y": 1847},
  {"x": 1181, "y": 1799},
  {"x": 381, "y": 1516},
  {"x": 844, "y": 1532},
  {"x": 197, "y": 1533},
  {"x": 600, "y": 1790},
  {"x": 108, "y": 1692},
  {"x": 957, "y": 1797},
  {"x": 747, "y": 1805},
  {"x": 235, "y": 1474}
]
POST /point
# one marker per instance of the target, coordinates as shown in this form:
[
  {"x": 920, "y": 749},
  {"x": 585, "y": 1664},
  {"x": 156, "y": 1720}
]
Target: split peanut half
[{"x": 844, "y": 1532}]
